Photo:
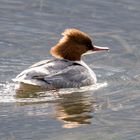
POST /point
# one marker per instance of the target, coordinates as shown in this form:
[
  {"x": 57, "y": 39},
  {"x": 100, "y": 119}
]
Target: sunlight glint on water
[{"x": 7, "y": 94}]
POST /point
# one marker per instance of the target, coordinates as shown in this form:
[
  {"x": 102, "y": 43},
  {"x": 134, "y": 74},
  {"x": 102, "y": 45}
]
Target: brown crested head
[{"x": 72, "y": 45}]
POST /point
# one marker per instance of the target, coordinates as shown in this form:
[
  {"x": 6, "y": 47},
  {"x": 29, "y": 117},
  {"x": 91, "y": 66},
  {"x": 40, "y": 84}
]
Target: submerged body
[{"x": 66, "y": 70}]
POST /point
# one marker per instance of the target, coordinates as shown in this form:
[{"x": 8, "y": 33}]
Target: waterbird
[{"x": 66, "y": 69}]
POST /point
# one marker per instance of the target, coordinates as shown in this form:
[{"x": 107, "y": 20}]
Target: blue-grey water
[{"x": 29, "y": 28}]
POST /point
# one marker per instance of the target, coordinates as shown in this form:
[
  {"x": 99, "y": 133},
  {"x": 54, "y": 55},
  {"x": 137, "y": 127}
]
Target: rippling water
[{"x": 108, "y": 111}]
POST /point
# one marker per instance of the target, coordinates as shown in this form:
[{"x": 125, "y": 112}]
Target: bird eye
[{"x": 89, "y": 46}]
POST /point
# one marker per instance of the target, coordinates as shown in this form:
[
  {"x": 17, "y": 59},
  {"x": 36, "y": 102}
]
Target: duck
[{"x": 65, "y": 69}]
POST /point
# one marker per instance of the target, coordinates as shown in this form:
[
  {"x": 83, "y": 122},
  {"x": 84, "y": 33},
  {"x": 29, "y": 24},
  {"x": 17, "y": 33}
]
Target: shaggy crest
[{"x": 76, "y": 36}]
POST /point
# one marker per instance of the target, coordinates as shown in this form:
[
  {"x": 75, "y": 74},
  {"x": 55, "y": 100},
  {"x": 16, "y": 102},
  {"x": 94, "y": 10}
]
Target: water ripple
[{"x": 7, "y": 93}]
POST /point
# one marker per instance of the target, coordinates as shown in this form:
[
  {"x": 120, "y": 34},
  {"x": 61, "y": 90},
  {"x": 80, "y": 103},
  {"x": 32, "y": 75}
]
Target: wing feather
[{"x": 57, "y": 73}]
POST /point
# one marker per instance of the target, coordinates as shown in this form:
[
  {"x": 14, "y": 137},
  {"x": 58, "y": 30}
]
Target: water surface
[{"x": 110, "y": 111}]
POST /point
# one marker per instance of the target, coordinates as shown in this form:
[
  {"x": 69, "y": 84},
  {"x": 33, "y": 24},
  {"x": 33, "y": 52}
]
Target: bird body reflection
[{"x": 75, "y": 109}]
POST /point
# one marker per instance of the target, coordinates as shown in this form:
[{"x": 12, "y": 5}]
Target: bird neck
[{"x": 67, "y": 51}]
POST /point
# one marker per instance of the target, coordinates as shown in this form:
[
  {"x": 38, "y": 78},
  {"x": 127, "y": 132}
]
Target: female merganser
[{"x": 66, "y": 70}]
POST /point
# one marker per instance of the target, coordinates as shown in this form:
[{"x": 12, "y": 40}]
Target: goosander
[{"x": 66, "y": 69}]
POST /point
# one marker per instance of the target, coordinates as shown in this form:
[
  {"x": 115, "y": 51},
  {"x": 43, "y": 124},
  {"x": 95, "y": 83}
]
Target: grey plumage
[{"x": 57, "y": 73}]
